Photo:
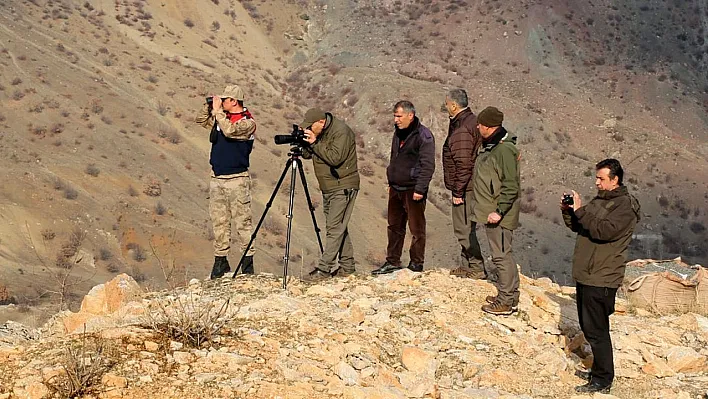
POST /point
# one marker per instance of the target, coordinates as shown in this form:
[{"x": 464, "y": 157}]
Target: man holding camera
[
  {"x": 332, "y": 148},
  {"x": 232, "y": 134},
  {"x": 409, "y": 173},
  {"x": 458, "y": 157},
  {"x": 604, "y": 227},
  {"x": 497, "y": 185}
]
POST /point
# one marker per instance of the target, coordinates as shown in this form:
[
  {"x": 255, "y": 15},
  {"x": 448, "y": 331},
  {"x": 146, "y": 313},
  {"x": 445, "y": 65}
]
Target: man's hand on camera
[
  {"x": 216, "y": 103},
  {"x": 310, "y": 136},
  {"x": 494, "y": 218},
  {"x": 577, "y": 202},
  {"x": 457, "y": 201}
]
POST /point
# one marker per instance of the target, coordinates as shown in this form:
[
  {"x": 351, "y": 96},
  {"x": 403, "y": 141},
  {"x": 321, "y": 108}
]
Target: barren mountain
[{"x": 104, "y": 171}]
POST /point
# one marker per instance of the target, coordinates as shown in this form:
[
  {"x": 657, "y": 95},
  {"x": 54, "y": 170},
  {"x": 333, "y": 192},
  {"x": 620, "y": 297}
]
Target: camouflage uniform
[
  {"x": 230, "y": 201},
  {"x": 232, "y": 136}
]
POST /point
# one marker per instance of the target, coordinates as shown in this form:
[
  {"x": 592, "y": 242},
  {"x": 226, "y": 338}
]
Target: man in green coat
[
  {"x": 497, "y": 182},
  {"x": 333, "y": 152},
  {"x": 604, "y": 226}
]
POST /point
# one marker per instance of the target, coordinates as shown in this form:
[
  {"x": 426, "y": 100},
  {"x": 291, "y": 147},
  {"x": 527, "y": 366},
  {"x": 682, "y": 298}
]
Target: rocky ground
[{"x": 405, "y": 335}]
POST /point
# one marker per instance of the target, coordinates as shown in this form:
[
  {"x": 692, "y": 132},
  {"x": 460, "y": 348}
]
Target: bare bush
[
  {"x": 48, "y": 234},
  {"x": 105, "y": 254},
  {"x": 366, "y": 169},
  {"x": 92, "y": 170},
  {"x": 188, "y": 23},
  {"x": 84, "y": 365},
  {"x": 187, "y": 320},
  {"x": 70, "y": 193},
  {"x": 274, "y": 226},
  {"x": 160, "y": 209}
]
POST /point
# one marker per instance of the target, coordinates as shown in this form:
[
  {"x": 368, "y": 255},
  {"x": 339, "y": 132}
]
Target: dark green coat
[
  {"x": 604, "y": 227},
  {"x": 334, "y": 157},
  {"x": 497, "y": 181}
]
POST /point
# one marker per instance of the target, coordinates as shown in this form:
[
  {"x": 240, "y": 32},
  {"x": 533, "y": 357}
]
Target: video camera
[{"x": 296, "y": 137}]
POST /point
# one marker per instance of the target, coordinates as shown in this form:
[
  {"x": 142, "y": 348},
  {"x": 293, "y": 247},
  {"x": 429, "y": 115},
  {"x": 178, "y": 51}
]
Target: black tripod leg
[
  {"x": 291, "y": 202},
  {"x": 309, "y": 203},
  {"x": 265, "y": 211}
]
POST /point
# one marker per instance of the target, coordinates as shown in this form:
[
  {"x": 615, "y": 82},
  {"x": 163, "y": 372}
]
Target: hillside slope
[{"x": 102, "y": 166}]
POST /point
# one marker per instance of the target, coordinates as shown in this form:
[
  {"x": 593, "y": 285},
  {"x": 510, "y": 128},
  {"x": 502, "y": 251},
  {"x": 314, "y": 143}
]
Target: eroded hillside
[{"x": 103, "y": 168}]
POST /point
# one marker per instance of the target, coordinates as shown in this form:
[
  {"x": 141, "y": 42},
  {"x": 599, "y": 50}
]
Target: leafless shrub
[
  {"x": 48, "y": 234},
  {"x": 375, "y": 258},
  {"x": 57, "y": 128},
  {"x": 274, "y": 226},
  {"x": 188, "y": 23},
  {"x": 16, "y": 81},
  {"x": 366, "y": 169},
  {"x": 152, "y": 79},
  {"x": 84, "y": 365},
  {"x": 162, "y": 108},
  {"x": 132, "y": 191},
  {"x": 113, "y": 268},
  {"x": 160, "y": 209},
  {"x": 96, "y": 106},
  {"x": 92, "y": 170},
  {"x": 190, "y": 321},
  {"x": 107, "y": 120},
  {"x": 105, "y": 254},
  {"x": 139, "y": 254},
  {"x": 18, "y": 95},
  {"x": 215, "y": 26},
  {"x": 697, "y": 227},
  {"x": 70, "y": 193}
]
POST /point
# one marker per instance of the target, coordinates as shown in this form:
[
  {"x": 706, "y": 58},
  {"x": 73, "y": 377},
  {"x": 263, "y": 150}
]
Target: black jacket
[{"x": 412, "y": 164}]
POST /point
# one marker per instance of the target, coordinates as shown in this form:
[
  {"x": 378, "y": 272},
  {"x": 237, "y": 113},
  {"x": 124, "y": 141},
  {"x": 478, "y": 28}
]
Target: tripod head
[{"x": 295, "y": 151}]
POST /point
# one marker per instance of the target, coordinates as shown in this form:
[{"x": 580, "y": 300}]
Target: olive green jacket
[
  {"x": 334, "y": 157},
  {"x": 604, "y": 226},
  {"x": 497, "y": 180}
]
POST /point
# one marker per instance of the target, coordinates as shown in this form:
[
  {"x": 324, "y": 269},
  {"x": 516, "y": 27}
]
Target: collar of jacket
[
  {"x": 455, "y": 120},
  {"x": 404, "y": 133},
  {"x": 610, "y": 194},
  {"x": 496, "y": 138}
]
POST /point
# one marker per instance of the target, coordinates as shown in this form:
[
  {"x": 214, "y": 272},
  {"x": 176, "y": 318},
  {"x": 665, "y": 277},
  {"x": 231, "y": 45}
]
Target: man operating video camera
[{"x": 331, "y": 145}]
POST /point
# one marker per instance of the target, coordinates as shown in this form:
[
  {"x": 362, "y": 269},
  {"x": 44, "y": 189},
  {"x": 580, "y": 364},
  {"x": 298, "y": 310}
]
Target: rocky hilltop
[{"x": 405, "y": 335}]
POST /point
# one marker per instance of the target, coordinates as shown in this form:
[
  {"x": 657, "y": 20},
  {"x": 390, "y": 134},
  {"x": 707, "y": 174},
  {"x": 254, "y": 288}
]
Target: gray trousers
[
  {"x": 466, "y": 232},
  {"x": 507, "y": 273},
  {"x": 338, "y": 207}
]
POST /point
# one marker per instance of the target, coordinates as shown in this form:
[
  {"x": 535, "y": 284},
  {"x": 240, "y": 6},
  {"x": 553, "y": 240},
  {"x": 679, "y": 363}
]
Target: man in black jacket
[
  {"x": 409, "y": 173},
  {"x": 604, "y": 228}
]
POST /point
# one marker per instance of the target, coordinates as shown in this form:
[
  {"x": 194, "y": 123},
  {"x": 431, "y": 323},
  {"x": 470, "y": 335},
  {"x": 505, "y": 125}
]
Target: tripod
[{"x": 292, "y": 164}]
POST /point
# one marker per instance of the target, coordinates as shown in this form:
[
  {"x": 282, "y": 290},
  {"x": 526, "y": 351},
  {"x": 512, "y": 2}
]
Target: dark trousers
[
  {"x": 401, "y": 210},
  {"x": 466, "y": 232},
  {"x": 595, "y": 305}
]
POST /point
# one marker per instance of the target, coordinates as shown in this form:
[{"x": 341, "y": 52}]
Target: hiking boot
[
  {"x": 221, "y": 267},
  {"x": 493, "y": 298},
  {"x": 498, "y": 309},
  {"x": 316, "y": 276},
  {"x": 415, "y": 267},
  {"x": 386, "y": 268},
  {"x": 343, "y": 273},
  {"x": 248, "y": 265},
  {"x": 592, "y": 387},
  {"x": 468, "y": 272}
]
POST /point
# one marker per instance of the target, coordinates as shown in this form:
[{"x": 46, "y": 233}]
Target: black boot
[
  {"x": 247, "y": 265},
  {"x": 221, "y": 267}
]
